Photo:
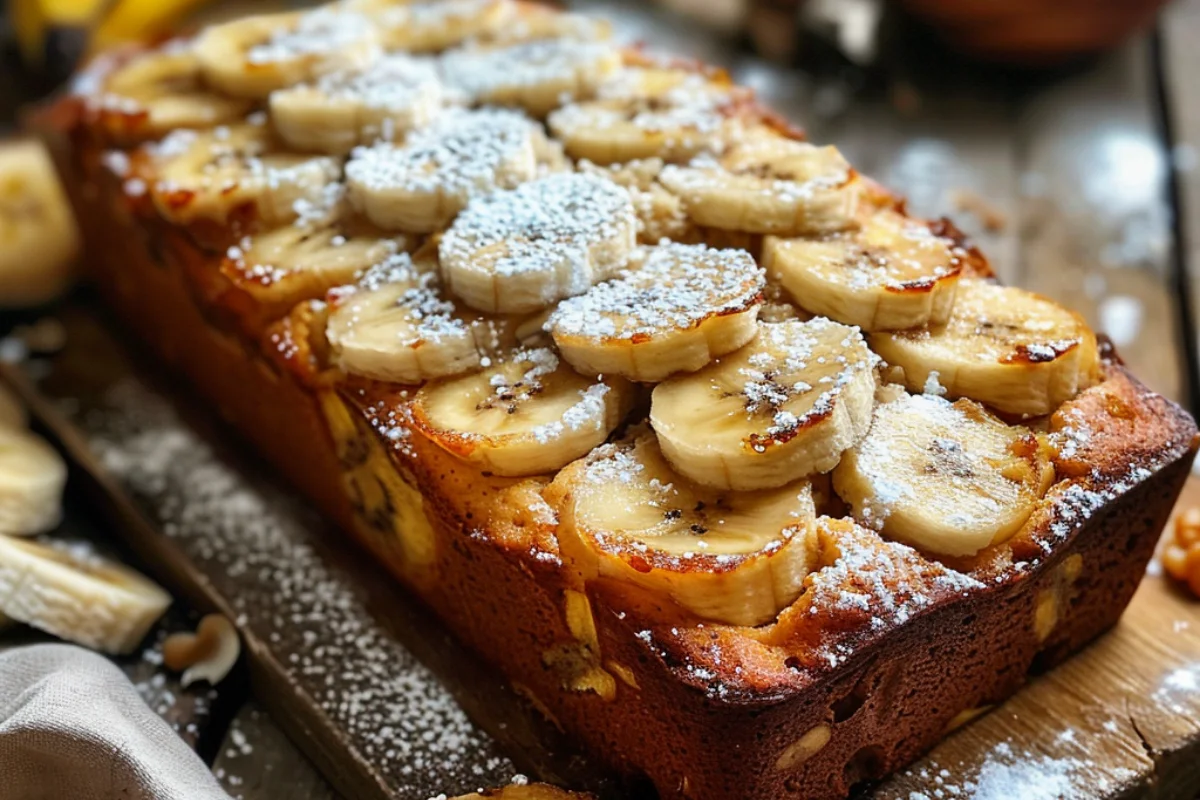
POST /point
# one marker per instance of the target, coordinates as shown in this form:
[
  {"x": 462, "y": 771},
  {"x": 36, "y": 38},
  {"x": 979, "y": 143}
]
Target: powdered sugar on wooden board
[{"x": 258, "y": 548}]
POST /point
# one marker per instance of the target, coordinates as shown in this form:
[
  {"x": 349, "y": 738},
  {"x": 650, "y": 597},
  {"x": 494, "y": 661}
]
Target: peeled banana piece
[
  {"x": 768, "y": 184},
  {"x": 1014, "y": 350},
  {"x": 385, "y": 100},
  {"x": 646, "y": 112},
  {"x": 520, "y": 251},
  {"x": 38, "y": 236},
  {"x": 87, "y": 600},
  {"x": 306, "y": 259},
  {"x": 892, "y": 273},
  {"x": 784, "y": 407},
  {"x": 538, "y": 75},
  {"x": 677, "y": 308},
  {"x": 420, "y": 186},
  {"x": 432, "y": 25},
  {"x": 211, "y": 175},
  {"x": 160, "y": 91},
  {"x": 948, "y": 478},
  {"x": 526, "y": 414},
  {"x": 396, "y": 325},
  {"x": 32, "y": 476},
  {"x": 731, "y": 557},
  {"x": 253, "y": 56}
]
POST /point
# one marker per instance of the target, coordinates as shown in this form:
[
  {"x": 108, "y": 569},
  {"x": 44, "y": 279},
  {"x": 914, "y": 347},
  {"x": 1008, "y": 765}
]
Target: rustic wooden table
[{"x": 1084, "y": 185}]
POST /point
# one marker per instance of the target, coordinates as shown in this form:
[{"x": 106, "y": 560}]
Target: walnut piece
[
  {"x": 206, "y": 655},
  {"x": 1181, "y": 556}
]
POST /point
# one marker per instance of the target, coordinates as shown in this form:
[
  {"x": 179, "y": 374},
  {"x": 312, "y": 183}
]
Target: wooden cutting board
[{"x": 387, "y": 705}]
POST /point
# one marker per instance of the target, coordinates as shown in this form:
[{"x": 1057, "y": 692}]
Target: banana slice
[
  {"x": 305, "y": 260},
  {"x": 737, "y": 558},
  {"x": 390, "y": 97},
  {"x": 84, "y": 599},
  {"x": 945, "y": 477},
  {"x": 1016, "y": 351},
  {"x": 432, "y": 25},
  {"x": 157, "y": 92},
  {"x": 421, "y": 186},
  {"x": 526, "y": 415},
  {"x": 522, "y": 250},
  {"x": 396, "y": 325},
  {"x": 650, "y": 112},
  {"x": 32, "y": 477},
  {"x": 893, "y": 273},
  {"x": 768, "y": 184},
  {"x": 534, "y": 21},
  {"x": 253, "y": 56},
  {"x": 539, "y": 76},
  {"x": 38, "y": 237},
  {"x": 660, "y": 214},
  {"x": 212, "y": 174},
  {"x": 783, "y": 407},
  {"x": 677, "y": 310}
]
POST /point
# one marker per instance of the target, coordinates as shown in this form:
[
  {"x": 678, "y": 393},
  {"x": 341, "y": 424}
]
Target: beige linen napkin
[{"x": 72, "y": 727}]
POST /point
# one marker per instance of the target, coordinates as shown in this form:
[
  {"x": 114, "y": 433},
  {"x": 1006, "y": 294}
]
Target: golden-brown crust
[{"x": 870, "y": 666}]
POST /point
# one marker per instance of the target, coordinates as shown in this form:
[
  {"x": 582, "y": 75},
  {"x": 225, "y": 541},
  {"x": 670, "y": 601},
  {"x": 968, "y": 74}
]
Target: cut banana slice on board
[
  {"x": 212, "y": 174},
  {"x": 254, "y": 56},
  {"x": 340, "y": 110},
  {"x": 539, "y": 76},
  {"x": 768, "y": 184},
  {"x": 893, "y": 273},
  {"x": 945, "y": 477},
  {"x": 421, "y": 186},
  {"x": 1014, "y": 350},
  {"x": 678, "y": 308},
  {"x": 431, "y": 25},
  {"x": 732, "y": 557},
  {"x": 84, "y": 599},
  {"x": 32, "y": 477},
  {"x": 38, "y": 237},
  {"x": 649, "y": 112},
  {"x": 396, "y": 325},
  {"x": 306, "y": 259},
  {"x": 520, "y": 251},
  {"x": 525, "y": 415},
  {"x": 158, "y": 92},
  {"x": 782, "y": 408}
]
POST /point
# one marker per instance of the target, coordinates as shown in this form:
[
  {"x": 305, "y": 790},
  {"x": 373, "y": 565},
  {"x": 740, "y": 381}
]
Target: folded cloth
[{"x": 72, "y": 727}]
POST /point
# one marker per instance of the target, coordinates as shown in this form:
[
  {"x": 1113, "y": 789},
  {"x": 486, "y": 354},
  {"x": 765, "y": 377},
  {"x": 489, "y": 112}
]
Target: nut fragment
[
  {"x": 206, "y": 655},
  {"x": 804, "y": 748},
  {"x": 1181, "y": 555}
]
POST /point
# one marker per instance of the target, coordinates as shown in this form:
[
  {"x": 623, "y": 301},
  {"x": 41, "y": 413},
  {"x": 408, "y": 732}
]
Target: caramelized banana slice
[
  {"x": 768, "y": 184},
  {"x": 680, "y": 307},
  {"x": 157, "y": 92},
  {"x": 539, "y": 76},
  {"x": 1014, "y": 350},
  {"x": 893, "y": 273},
  {"x": 211, "y": 174},
  {"x": 732, "y": 557},
  {"x": 427, "y": 26},
  {"x": 421, "y": 186},
  {"x": 390, "y": 97},
  {"x": 945, "y": 477},
  {"x": 522, "y": 250},
  {"x": 783, "y": 407},
  {"x": 253, "y": 56},
  {"x": 397, "y": 325},
  {"x": 646, "y": 112},
  {"x": 525, "y": 415}
]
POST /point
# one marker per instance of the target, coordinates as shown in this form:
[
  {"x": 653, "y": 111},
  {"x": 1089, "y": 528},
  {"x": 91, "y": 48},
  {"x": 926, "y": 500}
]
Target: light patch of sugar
[{"x": 255, "y": 544}]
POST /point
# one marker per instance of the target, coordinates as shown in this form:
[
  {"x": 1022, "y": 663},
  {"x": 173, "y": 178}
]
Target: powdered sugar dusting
[{"x": 256, "y": 545}]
